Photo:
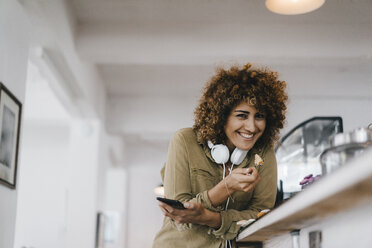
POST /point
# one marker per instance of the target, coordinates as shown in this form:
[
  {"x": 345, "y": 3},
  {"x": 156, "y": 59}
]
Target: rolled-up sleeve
[
  {"x": 177, "y": 173},
  {"x": 177, "y": 179}
]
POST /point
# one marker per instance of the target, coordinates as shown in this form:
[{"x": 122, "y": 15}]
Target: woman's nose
[{"x": 250, "y": 125}]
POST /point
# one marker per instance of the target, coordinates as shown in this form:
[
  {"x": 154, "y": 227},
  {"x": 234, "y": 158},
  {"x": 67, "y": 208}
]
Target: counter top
[{"x": 343, "y": 189}]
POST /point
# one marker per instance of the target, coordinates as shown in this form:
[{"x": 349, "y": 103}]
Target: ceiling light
[{"x": 293, "y": 7}]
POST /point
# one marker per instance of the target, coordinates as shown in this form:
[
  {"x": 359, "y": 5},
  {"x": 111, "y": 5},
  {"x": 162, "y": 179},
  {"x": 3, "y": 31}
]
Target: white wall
[
  {"x": 13, "y": 66},
  {"x": 42, "y": 211},
  {"x": 323, "y": 87},
  {"x": 116, "y": 202},
  {"x": 59, "y": 196},
  {"x": 112, "y": 190},
  {"x": 144, "y": 218},
  {"x": 52, "y": 30},
  {"x": 145, "y": 116},
  {"x": 62, "y": 184},
  {"x": 83, "y": 181}
]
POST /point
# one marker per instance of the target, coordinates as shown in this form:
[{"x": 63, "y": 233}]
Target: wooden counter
[{"x": 348, "y": 187}]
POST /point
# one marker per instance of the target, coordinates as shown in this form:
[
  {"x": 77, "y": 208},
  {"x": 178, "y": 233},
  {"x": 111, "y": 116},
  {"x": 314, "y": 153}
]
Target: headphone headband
[{"x": 210, "y": 144}]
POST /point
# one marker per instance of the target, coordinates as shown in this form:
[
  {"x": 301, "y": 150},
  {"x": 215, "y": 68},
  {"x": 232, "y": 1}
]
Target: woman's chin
[{"x": 245, "y": 147}]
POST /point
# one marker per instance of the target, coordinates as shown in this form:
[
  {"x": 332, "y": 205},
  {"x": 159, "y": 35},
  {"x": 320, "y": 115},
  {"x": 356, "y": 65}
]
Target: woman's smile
[{"x": 245, "y": 135}]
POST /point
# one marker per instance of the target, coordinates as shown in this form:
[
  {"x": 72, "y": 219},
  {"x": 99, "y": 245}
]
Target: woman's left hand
[{"x": 194, "y": 213}]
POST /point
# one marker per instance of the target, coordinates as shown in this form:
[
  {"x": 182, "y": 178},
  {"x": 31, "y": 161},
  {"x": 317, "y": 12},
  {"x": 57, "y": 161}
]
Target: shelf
[{"x": 347, "y": 187}]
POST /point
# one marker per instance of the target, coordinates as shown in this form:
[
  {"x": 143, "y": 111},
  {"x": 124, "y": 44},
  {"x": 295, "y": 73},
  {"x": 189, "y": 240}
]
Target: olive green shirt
[{"x": 190, "y": 172}]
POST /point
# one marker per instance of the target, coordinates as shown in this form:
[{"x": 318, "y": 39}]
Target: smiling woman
[{"x": 240, "y": 113}]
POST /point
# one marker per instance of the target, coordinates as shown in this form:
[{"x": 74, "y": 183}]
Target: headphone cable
[{"x": 227, "y": 242}]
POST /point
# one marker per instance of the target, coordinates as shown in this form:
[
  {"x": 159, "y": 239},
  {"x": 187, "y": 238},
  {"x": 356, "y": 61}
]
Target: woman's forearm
[
  {"x": 211, "y": 219},
  {"x": 219, "y": 193}
]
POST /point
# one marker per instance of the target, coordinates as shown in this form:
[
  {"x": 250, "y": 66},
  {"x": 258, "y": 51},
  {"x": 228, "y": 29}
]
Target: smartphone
[{"x": 172, "y": 203}]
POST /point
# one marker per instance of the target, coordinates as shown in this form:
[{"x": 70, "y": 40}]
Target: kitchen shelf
[{"x": 345, "y": 188}]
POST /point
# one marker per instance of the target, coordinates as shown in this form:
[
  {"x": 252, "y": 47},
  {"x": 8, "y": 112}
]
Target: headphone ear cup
[
  {"x": 238, "y": 156},
  {"x": 220, "y": 154}
]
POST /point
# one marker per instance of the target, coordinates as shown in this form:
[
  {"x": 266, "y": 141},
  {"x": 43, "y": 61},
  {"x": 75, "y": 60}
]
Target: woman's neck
[{"x": 230, "y": 146}]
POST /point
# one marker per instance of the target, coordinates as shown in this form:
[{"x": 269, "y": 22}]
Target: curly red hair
[{"x": 227, "y": 89}]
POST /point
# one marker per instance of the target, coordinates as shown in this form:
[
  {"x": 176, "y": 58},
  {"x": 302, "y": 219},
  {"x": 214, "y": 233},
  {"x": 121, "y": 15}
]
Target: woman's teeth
[{"x": 248, "y": 136}]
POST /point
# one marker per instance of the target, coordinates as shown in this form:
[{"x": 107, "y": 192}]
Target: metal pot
[{"x": 345, "y": 147}]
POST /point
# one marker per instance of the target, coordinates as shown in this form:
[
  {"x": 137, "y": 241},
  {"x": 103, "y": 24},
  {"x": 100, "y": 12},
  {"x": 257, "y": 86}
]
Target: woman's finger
[
  {"x": 191, "y": 205},
  {"x": 165, "y": 211},
  {"x": 252, "y": 171},
  {"x": 249, "y": 170},
  {"x": 169, "y": 213},
  {"x": 167, "y": 208},
  {"x": 244, "y": 178},
  {"x": 246, "y": 171},
  {"x": 239, "y": 171},
  {"x": 251, "y": 186}
]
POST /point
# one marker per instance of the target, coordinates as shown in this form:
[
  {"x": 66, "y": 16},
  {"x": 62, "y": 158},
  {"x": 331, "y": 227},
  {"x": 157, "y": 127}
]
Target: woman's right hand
[{"x": 242, "y": 179}]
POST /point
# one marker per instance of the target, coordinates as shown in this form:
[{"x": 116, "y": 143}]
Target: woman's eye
[
  {"x": 243, "y": 116},
  {"x": 260, "y": 116}
]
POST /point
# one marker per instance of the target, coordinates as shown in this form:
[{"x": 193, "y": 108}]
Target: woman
[{"x": 241, "y": 110}]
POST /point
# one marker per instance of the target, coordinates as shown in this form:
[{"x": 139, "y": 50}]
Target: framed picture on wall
[{"x": 10, "y": 118}]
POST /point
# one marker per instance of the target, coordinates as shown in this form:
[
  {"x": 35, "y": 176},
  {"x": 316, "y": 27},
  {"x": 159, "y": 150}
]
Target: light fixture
[
  {"x": 159, "y": 190},
  {"x": 293, "y": 7}
]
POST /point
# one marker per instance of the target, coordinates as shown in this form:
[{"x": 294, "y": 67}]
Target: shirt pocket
[{"x": 202, "y": 180}]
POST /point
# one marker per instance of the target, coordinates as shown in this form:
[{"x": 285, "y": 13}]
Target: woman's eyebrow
[{"x": 243, "y": 111}]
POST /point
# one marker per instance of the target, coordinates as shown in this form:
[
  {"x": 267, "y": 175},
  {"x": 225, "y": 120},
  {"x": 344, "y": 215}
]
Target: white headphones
[{"x": 220, "y": 153}]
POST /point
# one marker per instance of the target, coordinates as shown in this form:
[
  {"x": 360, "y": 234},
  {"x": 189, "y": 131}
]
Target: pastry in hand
[{"x": 258, "y": 160}]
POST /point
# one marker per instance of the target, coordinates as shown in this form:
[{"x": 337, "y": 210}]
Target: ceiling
[
  {"x": 133, "y": 42},
  {"x": 154, "y": 57}
]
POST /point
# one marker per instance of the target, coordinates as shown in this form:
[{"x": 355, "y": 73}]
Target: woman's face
[{"x": 245, "y": 125}]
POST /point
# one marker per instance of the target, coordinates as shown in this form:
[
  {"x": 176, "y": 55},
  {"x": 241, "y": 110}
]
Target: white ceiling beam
[{"x": 109, "y": 45}]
